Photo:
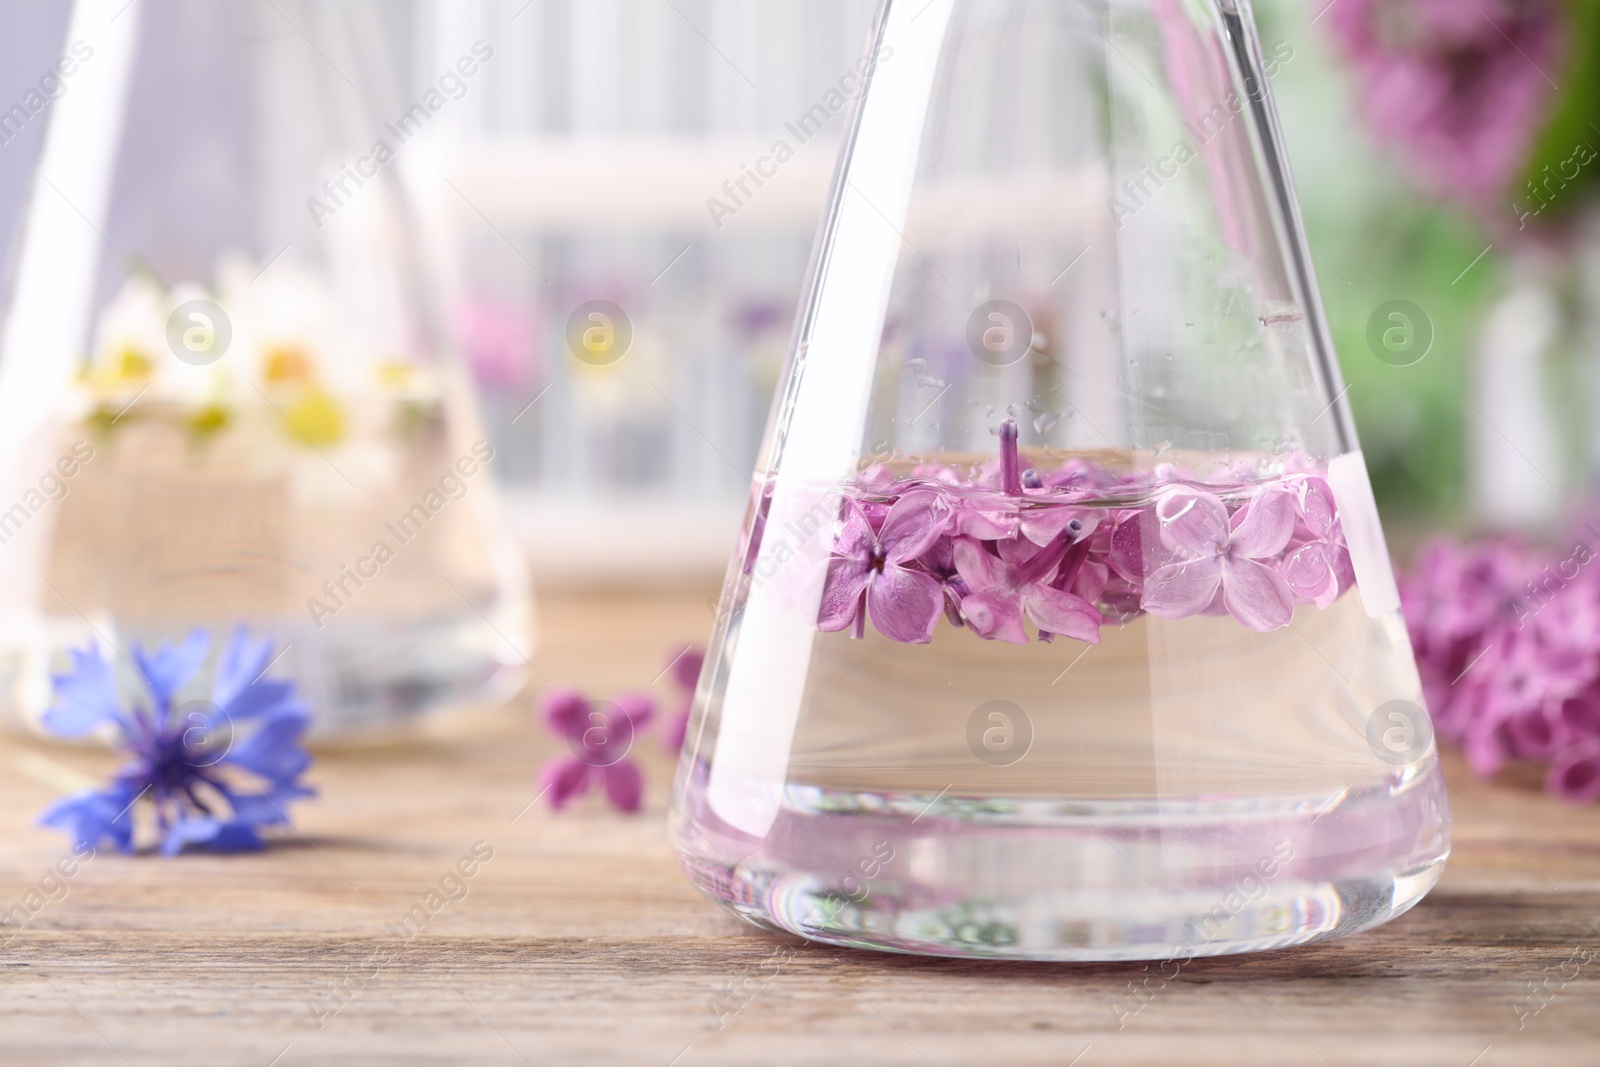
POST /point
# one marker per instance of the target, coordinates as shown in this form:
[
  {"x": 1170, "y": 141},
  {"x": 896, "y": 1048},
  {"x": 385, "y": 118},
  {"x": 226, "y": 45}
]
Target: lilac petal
[
  {"x": 1316, "y": 506},
  {"x": 916, "y": 521},
  {"x": 1090, "y": 581},
  {"x": 676, "y": 732},
  {"x": 1256, "y": 594},
  {"x": 1029, "y": 562},
  {"x": 1581, "y": 714},
  {"x": 1263, "y": 527},
  {"x": 1043, "y": 525},
  {"x": 637, "y": 708},
  {"x": 995, "y": 617},
  {"x": 1534, "y": 735},
  {"x": 624, "y": 785},
  {"x": 1122, "y": 597},
  {"x": 841, "y": 594},
  {"x": 986, "y": 523},
  {"x": 167, "y": 668},
  {"x": 564, "y": 780},
  {"x": 1191, "y": 522},
  {"x": 86, "y": 695},
  {"x": 1179, "y": 590},
  {"x": 905, "y": 605},
  {"x": 978, "y": 567},
  {"x": 686, "y": 667},
  {"x": 1127, "y": 554},
  {"x": 1311, "y": 576},
  {"x": 939, "y": 559},
  {"x": 1026, "y": 564},
  {"x": 1063, "y": 613},
  {"x": 563, "y": 710},
  {"x": 1574, "y": 775},
  {"x": 854, "y": 540}
]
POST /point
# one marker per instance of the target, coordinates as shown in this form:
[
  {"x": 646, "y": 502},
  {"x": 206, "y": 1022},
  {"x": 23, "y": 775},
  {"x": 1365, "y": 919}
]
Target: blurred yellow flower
[
  {"x": 316, "y": 418},
  {"x": 283, "y": 365},
  {"x": 131, "y": 364},
  {"x": 209, "y": 419}
]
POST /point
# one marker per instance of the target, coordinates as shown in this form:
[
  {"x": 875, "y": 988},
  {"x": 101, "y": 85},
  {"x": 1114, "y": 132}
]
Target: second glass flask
[
  {"x": 1062, "y": 625},
  {"x": 227, "y": 395}
]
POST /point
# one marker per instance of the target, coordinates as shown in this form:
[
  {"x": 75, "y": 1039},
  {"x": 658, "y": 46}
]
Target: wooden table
[{"x": 580, "y": 942}]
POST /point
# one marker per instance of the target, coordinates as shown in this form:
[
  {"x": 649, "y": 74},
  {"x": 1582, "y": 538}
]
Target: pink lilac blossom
[
  {"x": 1218, "y": 555},
  {"x": 500, "y": 343},
  {"x": 1460, "y": 89},
  {"x": 1014, "y": 582},
  {"x": 599, "y": 735},
  {"x": 1507, "y": 641},
  {"x": 1070, "y": 549},
  {"x": 869, "y": 572}
]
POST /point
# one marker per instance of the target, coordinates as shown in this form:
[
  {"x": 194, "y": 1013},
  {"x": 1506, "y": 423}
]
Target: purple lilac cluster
[
  {"x": 1460, "y": 89},
  {"x": 1069, "y": 550},
  {"x": 1507, "y": 639},
  {"x": 599, "y": 735}
]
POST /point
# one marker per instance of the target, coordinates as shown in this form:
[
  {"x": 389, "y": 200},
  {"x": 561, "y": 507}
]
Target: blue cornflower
[{"x": 211, "y": 780}]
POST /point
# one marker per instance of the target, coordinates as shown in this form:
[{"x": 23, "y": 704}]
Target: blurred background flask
[
  {"x": 1062, "y": 625},
  {"x": 225, "y": 394}
]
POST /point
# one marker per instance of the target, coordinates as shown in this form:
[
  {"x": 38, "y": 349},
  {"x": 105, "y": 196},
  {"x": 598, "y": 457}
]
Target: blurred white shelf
[
  {"x": 656, "y": 183},
  {"x": 590, "y": 183},
  {"x": 624, "y": 541}
]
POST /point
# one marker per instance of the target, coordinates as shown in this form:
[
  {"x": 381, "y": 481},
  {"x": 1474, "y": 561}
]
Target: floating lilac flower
[
  {"x": 870, "y": 573},
  {"x": 1024, "y": 505},
  {"x": 214, "y": 772},
  {"x": 995, "y": 545},
  {"x": 599, "y": 735},
  {"x": 1012, "y": 583},
  {"x": 939, "y": 561},
  {"x": 1320, "y": 566},
  {"x": 1212, "y": 552}
]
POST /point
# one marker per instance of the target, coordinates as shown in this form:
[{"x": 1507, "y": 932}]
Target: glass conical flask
[
  {"x": 224, "y": 395},
  {"x": 1062, "y": 626}
]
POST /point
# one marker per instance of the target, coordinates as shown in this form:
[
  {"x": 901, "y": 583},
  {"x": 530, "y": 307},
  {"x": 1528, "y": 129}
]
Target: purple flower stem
[{"x": 1010, "y": 476}]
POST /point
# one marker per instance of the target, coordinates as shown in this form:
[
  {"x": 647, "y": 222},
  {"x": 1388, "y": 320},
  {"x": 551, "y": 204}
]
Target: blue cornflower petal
[
  {"x": 238, "y": 689},
  {"x": 188, "y": 832},
  {"x": 266, "y": 809},
  {"x": 168, "y": 667},
  {"x": 211, "y": 834},
  {"x": 257, "y": 699},
  {"x": 86, "y": 695},
  {"x": 96, "y": 816},
  {"x": 273, "y": 751},
  {"x": 241, "y": 663},
  {"x": 236, "y": 836}
]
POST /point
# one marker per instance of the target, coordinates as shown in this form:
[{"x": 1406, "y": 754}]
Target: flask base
[{"x": 1065, "y": 880}]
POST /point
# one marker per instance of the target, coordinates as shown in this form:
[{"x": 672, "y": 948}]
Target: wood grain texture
[{"x": 580, "y": 942}]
